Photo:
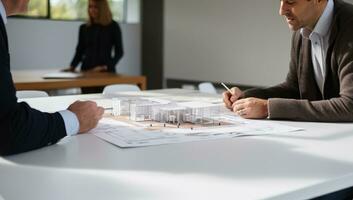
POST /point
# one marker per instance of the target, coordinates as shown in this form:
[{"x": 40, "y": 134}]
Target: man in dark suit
[
  {"x": 319, "y": 85},
  {"x": 23, "y": 128}
]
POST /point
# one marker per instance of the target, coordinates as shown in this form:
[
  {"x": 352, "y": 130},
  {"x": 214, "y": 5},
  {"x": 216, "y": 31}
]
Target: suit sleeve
[
  {"x": 118, "y": 47},
  {"x": 31, "y": 129},
  {"x": 23, "y": 128}
]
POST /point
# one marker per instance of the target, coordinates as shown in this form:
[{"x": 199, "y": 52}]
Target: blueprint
[{"x": 124, "y": 134}]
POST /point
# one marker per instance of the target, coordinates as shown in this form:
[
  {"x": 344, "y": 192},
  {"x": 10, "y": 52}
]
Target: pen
[{"x": 224, "y": 85}]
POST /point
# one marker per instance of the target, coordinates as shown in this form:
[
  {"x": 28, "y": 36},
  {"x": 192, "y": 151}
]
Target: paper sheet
[
  {"x": 62, "y": 75},
  {"x": 126, "y": 135}
]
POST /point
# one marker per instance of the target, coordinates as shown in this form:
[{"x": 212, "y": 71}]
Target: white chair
[
  {"x": 30, "y": 94},
  {"x": 62, "y": 92},
  {"x": 111, "y": 89},
  {"x": 207, "y": 87}
]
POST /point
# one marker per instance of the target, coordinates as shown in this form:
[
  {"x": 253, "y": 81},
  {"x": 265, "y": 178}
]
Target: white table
[{"x": 298, "y": 165}]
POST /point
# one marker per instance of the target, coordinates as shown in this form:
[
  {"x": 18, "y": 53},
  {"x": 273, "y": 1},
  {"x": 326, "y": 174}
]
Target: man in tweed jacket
[{"x": 319, "y": 84}]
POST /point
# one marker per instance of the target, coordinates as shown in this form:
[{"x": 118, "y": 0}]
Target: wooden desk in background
[{"x": 32, "y": 80}]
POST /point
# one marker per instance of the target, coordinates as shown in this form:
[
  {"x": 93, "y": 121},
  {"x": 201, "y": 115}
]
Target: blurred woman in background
[{"x": 97, "y": 38}]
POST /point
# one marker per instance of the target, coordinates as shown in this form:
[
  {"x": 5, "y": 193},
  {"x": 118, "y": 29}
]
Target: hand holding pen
[
  {"x": 250, "y": 108},
  {"x": 231, "y": 96}
]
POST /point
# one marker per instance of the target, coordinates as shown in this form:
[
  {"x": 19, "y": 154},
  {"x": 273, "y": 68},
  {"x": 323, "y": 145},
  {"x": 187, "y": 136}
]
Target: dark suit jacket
[
  {"x": 21, "y": 127},
  {"x": 299, "y": 98},
  {"x": 95, "y": 45}
]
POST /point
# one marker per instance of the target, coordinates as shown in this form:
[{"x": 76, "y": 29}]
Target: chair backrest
[
  {"x": 207, "y": 87},
  {"x": 30, "y": 94},
  {"x": 110, "y": 89}
]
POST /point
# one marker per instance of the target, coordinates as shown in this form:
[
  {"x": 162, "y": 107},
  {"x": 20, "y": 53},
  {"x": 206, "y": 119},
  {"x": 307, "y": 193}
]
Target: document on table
[
  {"x": 62, "y": 75},
  {"x": 126, "y": 135}
]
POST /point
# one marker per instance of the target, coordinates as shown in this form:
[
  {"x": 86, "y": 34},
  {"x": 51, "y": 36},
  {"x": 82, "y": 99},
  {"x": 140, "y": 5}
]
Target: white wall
[
  {"x": 44, "y": 44},
  {"x": 235, "y": 41}
]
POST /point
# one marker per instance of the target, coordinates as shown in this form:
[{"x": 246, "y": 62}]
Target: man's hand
[
  {"x": 251, "y": 108},
  {"x": 230, "y": 98},
  {"x": 88, "y": 114}
]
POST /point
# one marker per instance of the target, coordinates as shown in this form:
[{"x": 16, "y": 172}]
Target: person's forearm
[
  {"x": 279, "y": 91},
  {"x": 333, "y": 110}
]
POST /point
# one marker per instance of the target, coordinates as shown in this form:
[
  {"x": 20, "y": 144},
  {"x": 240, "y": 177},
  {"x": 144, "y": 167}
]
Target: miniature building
[{"x": 140, "y": 109}]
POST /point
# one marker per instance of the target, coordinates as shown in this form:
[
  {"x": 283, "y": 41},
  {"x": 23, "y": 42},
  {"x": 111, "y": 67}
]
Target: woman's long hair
[{"x": 105, "y": 16}]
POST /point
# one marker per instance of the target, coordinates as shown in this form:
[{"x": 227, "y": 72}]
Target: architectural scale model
[
  {"x": 137, "y": 121},
  {"x": 179, "y": 114}
]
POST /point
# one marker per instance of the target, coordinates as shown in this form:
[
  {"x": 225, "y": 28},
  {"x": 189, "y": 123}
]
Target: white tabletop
[{"x": 297, "y": 165}]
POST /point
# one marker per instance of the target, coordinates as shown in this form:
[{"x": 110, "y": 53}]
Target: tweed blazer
[{"x": 299, "y": 97}]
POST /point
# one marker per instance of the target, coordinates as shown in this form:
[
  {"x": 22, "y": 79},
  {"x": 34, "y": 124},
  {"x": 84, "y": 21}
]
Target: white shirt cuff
[{"x": 72, "y": 125}]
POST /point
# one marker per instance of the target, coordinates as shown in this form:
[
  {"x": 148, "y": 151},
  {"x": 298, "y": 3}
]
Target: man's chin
[{"x": 293, "y": 28}]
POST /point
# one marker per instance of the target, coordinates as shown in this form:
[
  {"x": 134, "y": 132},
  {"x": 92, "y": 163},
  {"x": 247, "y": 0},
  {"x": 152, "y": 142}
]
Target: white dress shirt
[
  {"x": 72, "y": 124},
  {"x": 319, "y": 38}
]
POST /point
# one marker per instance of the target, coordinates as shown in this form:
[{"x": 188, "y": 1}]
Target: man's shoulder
[
  {"x": 343, "y": 12},
  {"x": 343, "y": 22}
]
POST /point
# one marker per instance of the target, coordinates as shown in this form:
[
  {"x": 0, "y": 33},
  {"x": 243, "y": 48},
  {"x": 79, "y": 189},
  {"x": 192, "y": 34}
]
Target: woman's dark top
[{"x": 95, "y": 44}]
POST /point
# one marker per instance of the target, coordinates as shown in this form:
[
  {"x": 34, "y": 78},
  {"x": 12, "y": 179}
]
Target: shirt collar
[
  {"x": 322, "y": 27},
  {"x": 3, "y": 12}
]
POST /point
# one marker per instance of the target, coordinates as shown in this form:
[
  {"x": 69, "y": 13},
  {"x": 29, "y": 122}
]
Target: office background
[{"x": 235, "y": 41}]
